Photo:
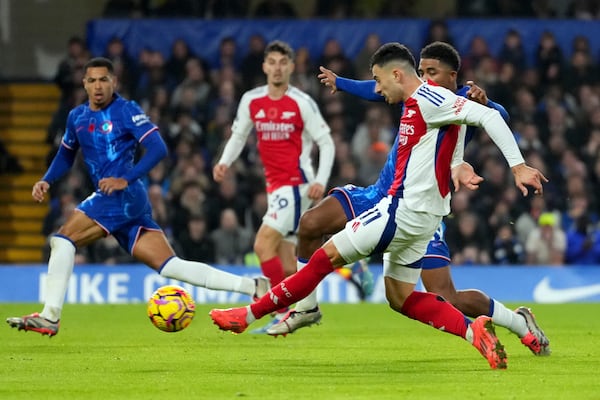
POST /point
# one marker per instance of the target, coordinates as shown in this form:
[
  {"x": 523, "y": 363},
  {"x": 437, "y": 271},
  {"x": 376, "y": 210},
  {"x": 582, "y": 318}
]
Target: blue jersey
[
  {"x": 108, "y": 139},
  {"x": 355, "y": 200}
]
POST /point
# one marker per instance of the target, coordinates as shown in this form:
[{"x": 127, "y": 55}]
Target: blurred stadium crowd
[{"x": 554, "y": 106}]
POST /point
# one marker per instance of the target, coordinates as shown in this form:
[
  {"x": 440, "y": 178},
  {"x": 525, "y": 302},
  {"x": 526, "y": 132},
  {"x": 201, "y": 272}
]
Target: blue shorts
[
  {"x": 123, "y": 214},
  {"x": 355, "y": 200}
]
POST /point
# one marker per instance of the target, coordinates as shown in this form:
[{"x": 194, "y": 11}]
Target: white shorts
[
  {"x": 392, "y": 228},
  {"x": 286, "y": 205}
]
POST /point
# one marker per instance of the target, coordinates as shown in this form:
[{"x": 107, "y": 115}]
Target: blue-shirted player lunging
[{"x": 108, "y": 129}]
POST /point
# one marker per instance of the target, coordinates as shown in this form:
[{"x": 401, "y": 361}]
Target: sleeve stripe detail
[{"x": 147, "y": 133}]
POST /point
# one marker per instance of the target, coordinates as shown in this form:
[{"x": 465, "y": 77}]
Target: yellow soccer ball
[{"x": 171, "y": 308}]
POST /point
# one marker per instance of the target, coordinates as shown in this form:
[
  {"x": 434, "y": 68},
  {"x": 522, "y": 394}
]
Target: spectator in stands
[
  {"x": 251, "y": 66},
  {"x": 160, "y": 208},
  {"x": 304, "y": 73},
  {"x": 334, "y": 52},
  {"x": 371, "y": 166},
  {"x": 438, "y": 32},
  {"x": 125, "y": 68},
  {"x": 189, "y": 202},
  {"x": 70, "y": 69},
  {"x": 152, "y": 75},
  {"x": 228, "y": 57},
  {"x": 226, "y": 196},
  {"x": 375, "y": 128},
  {"x": 549, "y": 59},
  {"x": 231, "y": 240},
  {"x": 512, "y": 50},
  {"x": 478, "y": 50},
  {"x": 507, "y": 249},
  {"x": 195, "y": 242},
  {"x": 198, "y": 87},
  {"x": 467, "y": 239},
  {"x": 362, "y": 59},
  {"x": 546, "y": 244},
  {"x": 176, "y": 66}
]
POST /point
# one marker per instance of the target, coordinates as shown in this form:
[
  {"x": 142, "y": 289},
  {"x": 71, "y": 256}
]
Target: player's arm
[
  {"x": 458, "y": 110},
  {"x": 319, "y": 131},
  {"x": 479, "y": 95},
  {"x": 240, "y": 129},
  {"x": 363, "y": 89},
  {"x": 156, "y": 150},
  {"x": 61, "y": 163}
]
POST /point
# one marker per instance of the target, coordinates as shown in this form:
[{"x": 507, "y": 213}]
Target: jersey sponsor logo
[
  {"x": 260, "y": 114},
  {"x": 106, "y": 127},
  {"x": 545, "y": 293},
  {"x": 140, "y": 119},
  {"x": 288, "y": 114},
  {"x": 458, "y": 105},
  {"x": 274, "y": 131}
]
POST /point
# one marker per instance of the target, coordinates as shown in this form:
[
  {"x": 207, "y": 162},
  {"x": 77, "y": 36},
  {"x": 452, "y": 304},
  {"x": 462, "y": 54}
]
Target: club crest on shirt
[{"x": 106, "y": 127}]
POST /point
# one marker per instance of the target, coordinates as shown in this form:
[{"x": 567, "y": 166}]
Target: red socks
[
  {"x": 432, "y": 309},
  {"x": 273, "y": 269},
  {"x": 295, "y": 287}
]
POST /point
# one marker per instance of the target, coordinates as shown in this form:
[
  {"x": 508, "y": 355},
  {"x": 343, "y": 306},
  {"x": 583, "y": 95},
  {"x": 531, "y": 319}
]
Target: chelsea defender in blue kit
[
  {"x": 108, "y": 129},
  {"x": 439, "y": 62}
]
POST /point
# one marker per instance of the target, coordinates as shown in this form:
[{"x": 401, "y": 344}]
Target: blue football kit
[
  {"x": 356, "y": 200},
  {"x": 108, "y": 139}
]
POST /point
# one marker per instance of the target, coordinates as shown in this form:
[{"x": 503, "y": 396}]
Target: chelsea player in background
[{"x": 108, "y": 129}]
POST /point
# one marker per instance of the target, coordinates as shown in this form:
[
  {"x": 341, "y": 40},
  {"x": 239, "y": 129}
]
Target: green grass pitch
[{"x": 360, "y": 351}]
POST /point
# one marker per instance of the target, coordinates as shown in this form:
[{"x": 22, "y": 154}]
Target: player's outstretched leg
[
  {"x": 488, "y": 344},
  {"x": 35, "y": 323},
  {"x": 535, "y": 339}
]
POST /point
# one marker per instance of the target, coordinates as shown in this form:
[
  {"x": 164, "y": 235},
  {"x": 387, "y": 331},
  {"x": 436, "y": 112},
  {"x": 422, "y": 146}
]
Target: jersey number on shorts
[{"x": 369, "y": 216}]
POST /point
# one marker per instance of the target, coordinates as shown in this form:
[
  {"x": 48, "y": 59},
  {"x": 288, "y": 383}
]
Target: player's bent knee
[{"x": 310, "y": 225}]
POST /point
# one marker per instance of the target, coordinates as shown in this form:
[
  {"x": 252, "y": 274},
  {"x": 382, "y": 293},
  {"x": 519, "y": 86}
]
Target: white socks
[
  {"x": 60, "y": 268},
  {"x": 203, "y": 275},
  {"x": 509, "y": 319},
  {"x": 310, "y": 301}
]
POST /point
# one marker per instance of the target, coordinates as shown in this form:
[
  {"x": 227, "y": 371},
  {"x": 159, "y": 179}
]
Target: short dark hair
[
  {"x": 443, "y": 52},
  {"x": 392, "y": 52},
  {"x": 280, "y": 47},
  {"x": 99, "y": 62}
]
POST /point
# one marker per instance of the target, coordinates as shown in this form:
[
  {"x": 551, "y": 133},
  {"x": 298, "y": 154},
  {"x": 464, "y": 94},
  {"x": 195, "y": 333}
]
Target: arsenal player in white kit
[
  {"x": 402, "y": 224},
  {"x": 287, "y": 122}
]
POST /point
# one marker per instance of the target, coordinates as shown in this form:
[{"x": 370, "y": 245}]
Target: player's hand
[
  {"x": 465, "y": 175},
  {"x": 219, "y": 172},
  {"x": 476, "y": 93},
  {"x": 39, "y": 190},
  {"x": 526, "y": 175},
  {"x": 110, "y": 185},
  {"x": 316, "y": 191},
  {"x": 327, "y": 78}
]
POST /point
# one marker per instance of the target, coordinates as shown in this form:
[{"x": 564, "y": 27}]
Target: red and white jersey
[
  {"x": 431, "y": 140},
  {"x": 285, "y": 130}
]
